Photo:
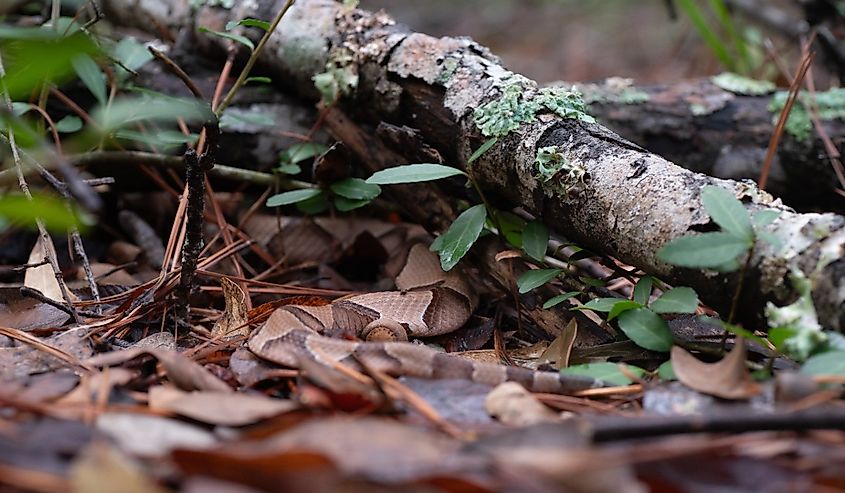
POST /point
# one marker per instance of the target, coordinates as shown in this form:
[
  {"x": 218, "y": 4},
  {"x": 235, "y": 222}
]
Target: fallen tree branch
[{"x": 626, "y": 202}]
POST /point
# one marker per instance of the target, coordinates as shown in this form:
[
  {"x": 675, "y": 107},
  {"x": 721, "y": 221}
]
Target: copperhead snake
[{"x": 428, "y": 302}]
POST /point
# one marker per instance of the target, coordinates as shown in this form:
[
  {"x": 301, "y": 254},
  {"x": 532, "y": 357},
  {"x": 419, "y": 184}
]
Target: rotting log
[
  {"x": 719, "y": 127},
  {"x": 620, "y": 199}
]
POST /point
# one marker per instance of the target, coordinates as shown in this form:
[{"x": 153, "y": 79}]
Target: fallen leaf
[
  {"x": 558, "y": 352},
  {"x": 102, "y": 469},
  {"x": 42, "y": 277},
  {"x": 182, "y": 371},
  {"x": 20, "y": 312},
  {"x": 727, "y": 378},
  {"x": 234, "y": 319},
  {"x": 511, "y": 404},
  {"x": 217, "y": 408},
  {"x": 152, "y": 436}
]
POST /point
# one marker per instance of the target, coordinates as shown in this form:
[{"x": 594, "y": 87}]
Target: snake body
[{"x": 429, "y": 302}]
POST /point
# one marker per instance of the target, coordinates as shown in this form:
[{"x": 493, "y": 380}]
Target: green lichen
[
  {"x": 829, "y": 104},
  {"x": 614, "y": 90},
  {"x": 738, "y": 84},
  {"x": 339, "y": 79},
  {"x": 800, "y": 317},
  {"x": 553, "y": 164},
  {"x": 447, "y": 70},
  {"x": 520, "y": 102}
]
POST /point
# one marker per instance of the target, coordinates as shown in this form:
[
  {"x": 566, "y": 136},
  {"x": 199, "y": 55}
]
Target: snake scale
[{"x": 428, "y": 302}]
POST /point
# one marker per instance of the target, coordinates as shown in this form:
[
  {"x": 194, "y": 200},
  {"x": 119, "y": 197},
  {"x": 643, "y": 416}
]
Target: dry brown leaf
[
  {"x": 24, "y": 313},
  {"x": 182, "y": 371},
  {"x": 557, "y": 354},
  {"x": 511, "y": 404},
  {"x": 41, "y": 355},
  {"x": 102, "y": 469},
  {"x": 727, "y": 378},
  {"x": 506, "y": 254},
  {"x": 234, "y": 319},
  {"x": 217, "y": 408},
  {"x": 152, "y": 436},
  {"x": 42, "y": 277}
]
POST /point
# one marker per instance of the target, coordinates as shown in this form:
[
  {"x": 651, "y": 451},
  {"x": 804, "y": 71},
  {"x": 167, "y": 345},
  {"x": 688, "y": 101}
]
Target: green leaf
[
  {"x": 740, "y": 331},
  {"x": 535, "y": 278},
  {"x": 559, "y": 299},
  {"x": 727, "y": 212},
  {"x": 599, "y": 304},
  {"x": 621, "y": 307},
  {"x": 591, "y": 281},
  {"x": 764, "y": 217},
  {"x": 164, "y": 138},
  {"x": 646, "y": 329},
  {"x": 289, "y": 169},
  {"x": 413, "y": 173},
  {"x": 355, "y": 189},
  {"x": 642, "y": 291},
  {"x": 770, "y": 239},
  {"x": 248, "y": 22},
  {"x": 300, "y": 152},
  {"x": 779, "y": 335},
  {"x": 293, "y": 197},
  {"x": 128, "y": 110},
  {"x": 676, "y": 300},
  {"x": 18, "y": 209},
  {"x": 512, "y": 227},
  {"x": 666, "y": 372},
  {"x": 344, "y": 204},
  {"x": 261, "y": 80},
  {"x": 234, "y": 37},
  {"x": 90, "y": 75},
  {"x": 829, "y": 363},
  {"x": 607, "y": 372},
  {"x": 69, "y": 124},
  {"x": 535, "y": 240},
  {"x": 131, "y": 54},
  {"x": 703, "y": 250},
  {"x": 233, "y": 117},
  {"x": 481, "y": 150},
  {"x": 460, "y": 236},
  {"x": 315, "y": 205}
]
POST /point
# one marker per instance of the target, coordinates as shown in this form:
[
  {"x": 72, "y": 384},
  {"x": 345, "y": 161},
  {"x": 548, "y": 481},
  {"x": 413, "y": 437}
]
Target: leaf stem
[{"x": 253, "y": 57}]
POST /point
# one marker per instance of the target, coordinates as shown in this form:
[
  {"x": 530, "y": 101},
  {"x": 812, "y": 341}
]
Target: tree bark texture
[
  {"x": 616, "y": 198},
  {"x": 705, "y": 128}
]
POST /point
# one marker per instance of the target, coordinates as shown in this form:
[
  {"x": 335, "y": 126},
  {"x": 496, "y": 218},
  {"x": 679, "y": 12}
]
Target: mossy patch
[
  {"x": 830, "y": 105},
  {"x": 339, "y": 79},
  {"x": 552, "y": 164},
  {"x": 614, "y": 90},
  {"x": 738, "y": 84},
  {"x": 520, "y": 102}
]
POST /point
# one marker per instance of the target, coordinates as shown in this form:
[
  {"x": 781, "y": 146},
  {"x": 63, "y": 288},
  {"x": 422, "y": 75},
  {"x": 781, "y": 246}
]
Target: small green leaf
[
  {"x": 535, "y": 278},
  {"x": 234, "y": 37},
  {"x": 676, "y": 300},
  {"x": 131, "y": 54},
  {"x": 764, "y": 217},
  {"x": 642, "y": 291},
  {"x": 413, "y": 173},
  {"x": 437, "y": 244},
  {"x": 512, "y": 227},
  {"x": 779, "y": 335},
  {"x": 621, "y": 307},
  {"x": 535, "y": 240},
  {"x": 606, "y": 372},
  {"x": 559, "y": 299},
  {"x": 599, "y": 304},
  {"x": 344, "y": 204},
  {"x": 90, "y": 75},
  {"x": 232, "y": 117},
  {"x": 829, "y": 363},
  {"x": 300, "y": 152},
  {"x": 770, "y": 239},
  {"x": 591, "y": 281},
  {"x": 125, "y": 111},
  {"x": 703, "y": 250},
  {"x": 293, "y": 197},
  {"x": 261, "y": 80},
  {"x": 460, "y": 236},
  {"x": 740, "y": 331},
  {"x": 289, "y": 169},
  {"x": 355, "y": 189},
  {"x": 315, "y": 205},
  {"x": 666, "y": 372},
  {"x": 69, "y": 124},
  {"x": 727, "y": 212},
  {"x": 18, "y": 209},
  {"x": 481, "y": 150},
  {"x": 646, "y": 329},
  {"x": 248, "y": 22}
]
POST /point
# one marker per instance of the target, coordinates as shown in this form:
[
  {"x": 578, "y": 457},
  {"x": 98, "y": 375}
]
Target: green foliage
[
  {"x": 57, "y": 217},
  {"x": 830, "y": 105},
  {"x": 413, "y": 173},
  {"x": 131, "y": 54},
  {"x": 535, "y": 240},
  {"x": 829, "y": 363},
  {"x": 736, "y": 60},
  {"x": 607, "y": 372},
  {"x": 355, "y": 189},
  {"x": 292, "y": 197},
  {"x": 290, "y": 157},
  {"x": 676, "y": 300},
  {"x": 646, "y": 329},
  {"x": 248, "y": 22},
  {"x": 482, "y": 149},
  {"x": 90, "y": 75},
  {"x": 535, "y": 278},
  {"x": 149, "y": 107},
  {"x": 719, "y": 250},
  {"x": 460, "y": 236},
  {"x": 554, "y": 301},
  {"x": 642, "y": 290},
  {"x": 227, "y": 35}
]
